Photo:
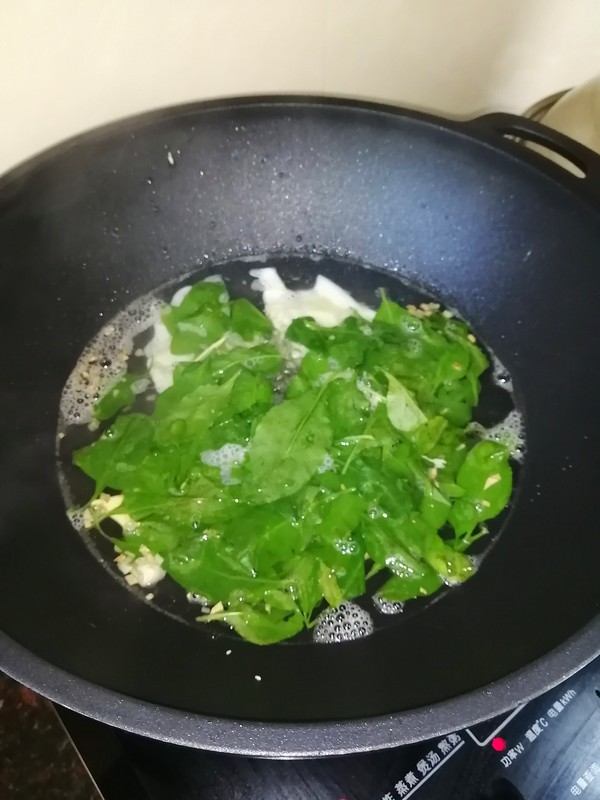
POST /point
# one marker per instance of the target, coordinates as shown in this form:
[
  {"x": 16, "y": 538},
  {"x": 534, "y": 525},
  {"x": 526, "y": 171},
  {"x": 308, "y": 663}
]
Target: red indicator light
[{"x": 499, "y": 744}]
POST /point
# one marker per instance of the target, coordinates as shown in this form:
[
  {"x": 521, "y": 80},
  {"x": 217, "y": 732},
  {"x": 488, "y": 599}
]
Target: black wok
[{"x": 457, "y": 210}]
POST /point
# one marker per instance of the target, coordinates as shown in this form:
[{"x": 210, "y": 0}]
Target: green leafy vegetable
[
  {"x": 114, "y": 460},
  {"x": 273, "y": 495},
  {"x": 121, "y": 395},
  {"x": 248, "y": 321},
  {"x": 288, "y": 446},
  {"x": 200, "y": 319},
  {"x": 259, "y": 625},
  {"x": 404, "y": 413},
  {"x": 406, "y": 587},
  {"x": 486, "y": 480}
]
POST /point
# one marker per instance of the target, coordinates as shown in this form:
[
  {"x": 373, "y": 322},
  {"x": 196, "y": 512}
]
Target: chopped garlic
[
  {"x": 492, "y": 480},
  {"x": 145, "y": 570},
  {"x": 99, "y": 508},
  {"x": 106, "y": 503},
  {"x": 126, "y": 522},
  {"x": 87, "y": 519},
  {"x": 424, "y": 309},
  {"x": 438, "y": 463},
  {"x": 414, "y": 311}
]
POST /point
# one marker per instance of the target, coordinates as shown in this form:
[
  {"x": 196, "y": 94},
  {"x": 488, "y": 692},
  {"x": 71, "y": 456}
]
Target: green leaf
[
  {"x": 452, "y": 566},
  {"x": 343, "y": 345},
  {"x": 435, "y": 508},
  {"x": 248, "y": 391},
  {"x": 188, "y": 411},
  {"x": 486, "y": 478},
  {"x": 329, "y": 586},
  {"x": 201, "y": 503},
  {"x": 258, "y": 626},
  {"x": 340, "y": 516},
  {"x": 159, "y": 537},
  {"x": 248, "y": 322},
  {"x": 377, "y": 433},
  {"x": 303, "y": 577},
  {"x": 290, "y": 443},
  {"x": 115, "y": 458},
  {"x": 269, "y": 533},
  {"x": 345, "y": 558},
  {"x": 347, "y": 409},
  {"x": 390, "y": 313},
  {"x": 201, "y": 319},
  {"x": 263, "y": 359},
  {"x": 455, "y": 401},
  {"x": 202, "y": 295},
  {"x": 333, "y": 522},
  {"x": 213, "y": 570},
  {"x": 313, "y": 371},
  {"x": 385, "y": 547},
  {"x": 118, "y": 397},
  {"x": 399, "y": 589},
  {"x": 426, "y": 436},
  {"x": 381, "y": 487},
  {"x": 403, "y": 412}
]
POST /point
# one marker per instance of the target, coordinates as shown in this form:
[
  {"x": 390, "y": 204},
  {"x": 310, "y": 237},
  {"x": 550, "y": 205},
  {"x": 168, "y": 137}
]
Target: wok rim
[
  {"x": 141, "y": 119},
  {"x": 296, "y": 740},
  {"x": 491, "y": 129}
]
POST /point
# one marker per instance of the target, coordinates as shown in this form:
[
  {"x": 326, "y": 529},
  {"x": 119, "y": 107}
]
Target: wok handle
[{"x": 586, "y": 160}]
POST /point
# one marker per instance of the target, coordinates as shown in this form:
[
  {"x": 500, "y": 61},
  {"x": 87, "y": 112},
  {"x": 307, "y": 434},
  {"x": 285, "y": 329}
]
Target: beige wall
[{"x": 68, "y": 65}]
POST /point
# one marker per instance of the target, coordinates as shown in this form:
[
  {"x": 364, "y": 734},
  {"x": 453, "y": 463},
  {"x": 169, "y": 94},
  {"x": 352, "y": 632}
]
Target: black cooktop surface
[{"x": 547, "y": 749}]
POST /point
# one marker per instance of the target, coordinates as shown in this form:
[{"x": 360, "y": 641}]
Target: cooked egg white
[{"x": 326, "y": 302}]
